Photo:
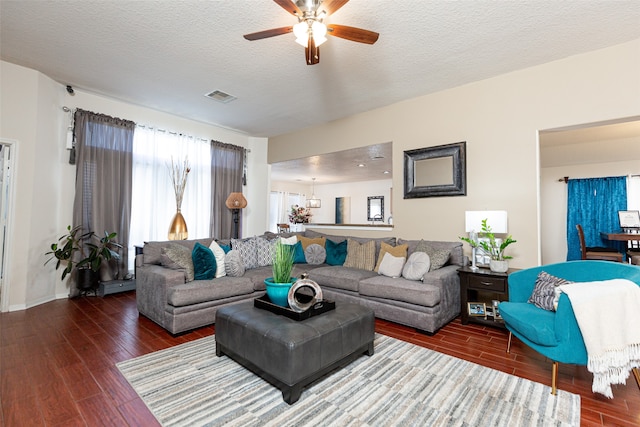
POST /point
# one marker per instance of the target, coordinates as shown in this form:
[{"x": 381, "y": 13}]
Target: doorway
[{"x": 7, "y": 178}]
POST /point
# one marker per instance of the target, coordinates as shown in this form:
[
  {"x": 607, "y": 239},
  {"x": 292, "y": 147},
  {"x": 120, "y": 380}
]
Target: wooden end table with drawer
[{"x": 482, "y": 286}]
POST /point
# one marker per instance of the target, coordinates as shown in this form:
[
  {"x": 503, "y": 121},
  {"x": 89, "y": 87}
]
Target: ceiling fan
[{"x": 310, "y": 31}]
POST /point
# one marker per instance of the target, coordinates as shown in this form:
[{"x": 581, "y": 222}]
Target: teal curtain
[{"x": 594, "y": 203}]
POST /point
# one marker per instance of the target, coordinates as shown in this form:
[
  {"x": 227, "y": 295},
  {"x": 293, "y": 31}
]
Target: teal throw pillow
[
  {"x": 225, "y": 248},
  {"x": 298, "y": 254},
  {"x": 204, "y": 262},
  {"x": 336, "y": 252}
]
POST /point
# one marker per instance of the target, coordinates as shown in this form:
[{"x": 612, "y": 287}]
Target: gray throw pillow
[
  {"x": 248, "y": 251},
  {"x": 416, "y": 266},
  {"x": 545, "y": 294},
  {"x": 178, "y": 257},
  {"x": 438, "y": 257},
  {"x": 265, "y": 249},
  {"x": 315, "y": 254},
  {"x": 233, "y": 264}
]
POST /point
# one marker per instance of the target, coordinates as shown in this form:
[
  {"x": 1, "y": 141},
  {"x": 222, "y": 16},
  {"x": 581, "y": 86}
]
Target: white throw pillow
[
  {"x": 218, "y": 252},
  {"x": 391, "y": 266},
  {"x": 417, "y": 266},
  {"x": 289, "y": 240}
]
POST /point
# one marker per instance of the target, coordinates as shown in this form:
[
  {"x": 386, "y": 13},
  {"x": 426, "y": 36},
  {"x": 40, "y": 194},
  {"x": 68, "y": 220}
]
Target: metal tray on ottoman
[
  {"x": 316, "y": 309},
  {"x": 291, "y": 354}
]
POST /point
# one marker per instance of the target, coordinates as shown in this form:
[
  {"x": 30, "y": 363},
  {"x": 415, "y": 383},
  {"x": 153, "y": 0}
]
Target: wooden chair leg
[
  {"x": 636, "y": 373},
  {"x": 554, "y": 378},
  {"x": 509, "y": 343}
]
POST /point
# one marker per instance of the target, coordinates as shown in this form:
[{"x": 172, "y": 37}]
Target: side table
[{"x": 482, "y": 286}]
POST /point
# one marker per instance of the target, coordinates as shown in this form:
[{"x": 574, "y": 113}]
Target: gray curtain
[
  {"x": 102, "y": 202},
  {"x": 227, "y": 167}
]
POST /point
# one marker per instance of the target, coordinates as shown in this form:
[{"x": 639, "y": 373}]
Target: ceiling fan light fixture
[
  {"x": 319, "y": 31},
  {"x": 301, "y": 31}
]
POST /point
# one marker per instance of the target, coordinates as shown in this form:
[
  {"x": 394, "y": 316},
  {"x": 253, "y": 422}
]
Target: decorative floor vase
[
  {"x": 499, "y": 266},
  {"x": 278, "y": 293},
  {"x": 178, "y": 227}
]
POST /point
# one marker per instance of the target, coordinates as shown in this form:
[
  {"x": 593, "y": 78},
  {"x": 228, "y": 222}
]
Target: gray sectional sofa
[{"x": 165, "y": 295}]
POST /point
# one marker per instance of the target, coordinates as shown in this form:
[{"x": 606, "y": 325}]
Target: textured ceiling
[{"x": 167, "y": 54}]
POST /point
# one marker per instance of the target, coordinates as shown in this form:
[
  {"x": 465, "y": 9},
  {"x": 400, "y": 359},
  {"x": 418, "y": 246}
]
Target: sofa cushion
[
  {"x": 437, "y": 257},
  {"x": 518, "y": 316},
  {"x": 298, "y": 254},
  {"x": 457, "y": 256},
  {"x": 361, "y": 255},
  {"x": 233, "y": 264},
  {"x": 396, "y": 251},
  {"x": 339, "y": 277},
  {"x": 264, "y": 250},
  {"x": 336, "y": 252},
  {"x": 400, "y": 289},
  {"x": 291, "y": 240},
  {"x": 416, "y": 266},
  {"x": 257, "y": 276},
  {"x": 219, "y": 253},
  {"x": 391, "y": 266},
  {"x": 315, "y": 254},
  {"x": 204, "y": 262},
  {"x": 248, "y": 251},
  {"x": 199, "y": 291},
  {"x": 152, "y": 251},
  {"x": 546, "y": 293},
  {"x": 306, "y": 241},
  {"x": 178, "y": 257},
  {"x": 378, "y": 241}
]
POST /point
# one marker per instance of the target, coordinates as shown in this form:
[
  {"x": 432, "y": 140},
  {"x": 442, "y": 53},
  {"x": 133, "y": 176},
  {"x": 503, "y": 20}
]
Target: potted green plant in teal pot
[{"x": 278, "y": 286}]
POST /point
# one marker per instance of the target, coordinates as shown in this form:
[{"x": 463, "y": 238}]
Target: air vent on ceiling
[{"x": 220, "y": 96}]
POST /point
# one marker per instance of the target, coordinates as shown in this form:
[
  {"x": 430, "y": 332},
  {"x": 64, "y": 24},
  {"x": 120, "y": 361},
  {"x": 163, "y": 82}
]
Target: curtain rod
[{"x": 565, "y": 179}]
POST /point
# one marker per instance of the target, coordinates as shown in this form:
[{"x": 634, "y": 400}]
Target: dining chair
[
  {"x": 283, "y": 228},
  {"x": 633, "y": 251},
  {"x": 596, "y": 252}
]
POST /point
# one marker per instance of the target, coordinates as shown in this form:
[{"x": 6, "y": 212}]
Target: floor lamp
[{"x": 235, "y": 202}]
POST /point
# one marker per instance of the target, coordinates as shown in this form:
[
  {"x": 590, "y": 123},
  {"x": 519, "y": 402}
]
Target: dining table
[{"x": 621, "y": 237}]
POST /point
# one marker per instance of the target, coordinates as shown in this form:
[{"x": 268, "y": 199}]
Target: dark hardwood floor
[{"x": 57, "y": 364}]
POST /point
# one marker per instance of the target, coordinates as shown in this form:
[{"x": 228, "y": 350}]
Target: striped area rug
[{"x": 400, "y": 385}]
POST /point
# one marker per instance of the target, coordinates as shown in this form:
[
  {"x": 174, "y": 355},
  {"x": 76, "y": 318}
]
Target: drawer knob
[{"x": 486, "y": 283}]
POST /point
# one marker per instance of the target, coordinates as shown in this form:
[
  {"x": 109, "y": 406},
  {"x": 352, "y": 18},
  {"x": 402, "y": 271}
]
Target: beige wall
[
  {"x": 31, "y": 113},
  {"x": 500, "y": 119}
]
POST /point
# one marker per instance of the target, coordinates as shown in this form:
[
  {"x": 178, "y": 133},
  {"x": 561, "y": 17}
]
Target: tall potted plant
[
  {"x": 93, "y": 254},
  {"x": 488, "y": 242},
  {"x": 278, "y": 286}
]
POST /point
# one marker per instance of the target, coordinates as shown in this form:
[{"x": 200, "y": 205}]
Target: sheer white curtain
[
  {"x": 280, "y": 203},
  {"x": 153, "y": 199}
]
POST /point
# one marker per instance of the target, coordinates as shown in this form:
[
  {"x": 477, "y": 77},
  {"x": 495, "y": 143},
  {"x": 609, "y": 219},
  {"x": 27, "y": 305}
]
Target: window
[{"x": 153, "y": 202}]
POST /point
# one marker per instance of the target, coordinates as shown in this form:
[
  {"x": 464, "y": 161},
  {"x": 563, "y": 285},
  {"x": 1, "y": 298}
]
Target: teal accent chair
[{"x": 555, "y": 334}]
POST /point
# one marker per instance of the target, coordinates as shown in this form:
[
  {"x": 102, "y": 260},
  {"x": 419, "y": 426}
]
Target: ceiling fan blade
[
  {"x": 352, "y": 33},
  {"x": 268, "y": 33},
  {"x": 331, "y": 6},
  {"x": 289, "y": 6},
  {"x": 312, "y": 52}
]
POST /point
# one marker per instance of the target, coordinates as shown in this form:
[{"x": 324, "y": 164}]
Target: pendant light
[{"x": 313, "y": 202}]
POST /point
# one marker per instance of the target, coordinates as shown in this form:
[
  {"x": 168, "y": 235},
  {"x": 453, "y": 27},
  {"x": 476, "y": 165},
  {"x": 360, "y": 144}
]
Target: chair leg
[
  {"x": 554, "y": 378},
  {"x": 636, "y": 373},
  {"x": 509, "y": 343}
]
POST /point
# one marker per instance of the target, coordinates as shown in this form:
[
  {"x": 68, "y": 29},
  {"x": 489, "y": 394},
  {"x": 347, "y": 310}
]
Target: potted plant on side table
[
  {"x": 278, "y": 286},
  {"x": 493, "y": 247},
  {"x": 88, "y": 267}
]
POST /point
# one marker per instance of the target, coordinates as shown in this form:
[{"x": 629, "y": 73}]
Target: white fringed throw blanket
[{"x": 608, "y": 313}]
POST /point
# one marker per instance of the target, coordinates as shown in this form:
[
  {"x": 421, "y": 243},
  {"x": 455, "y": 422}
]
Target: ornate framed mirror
[
  {"x": 436, "y": 171},
  {"x": 375, "y": 208}
]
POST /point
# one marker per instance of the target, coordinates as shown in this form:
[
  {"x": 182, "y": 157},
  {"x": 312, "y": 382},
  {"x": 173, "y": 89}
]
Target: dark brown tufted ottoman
[{"x": 291, "y": 354}]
